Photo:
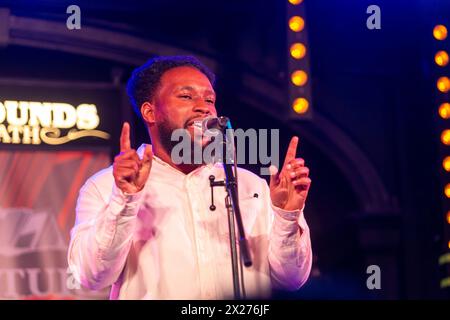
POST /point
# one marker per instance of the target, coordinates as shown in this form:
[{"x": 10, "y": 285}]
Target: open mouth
[{"x": 195, "y": 123}]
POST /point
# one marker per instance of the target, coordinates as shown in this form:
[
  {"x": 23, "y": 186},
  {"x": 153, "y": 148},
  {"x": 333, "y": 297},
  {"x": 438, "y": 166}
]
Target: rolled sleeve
[{"x": 290, "y": 253}]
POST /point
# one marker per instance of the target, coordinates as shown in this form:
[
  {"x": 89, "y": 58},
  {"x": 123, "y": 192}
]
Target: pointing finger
[
  {"x": 125, "y": 138},
  {"x": 291, "y": 151}
]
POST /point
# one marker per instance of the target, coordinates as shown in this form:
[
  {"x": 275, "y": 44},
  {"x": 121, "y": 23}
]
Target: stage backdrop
[
  {"x": 38, "y": 192},
  {"x": 53, "y": 137}
]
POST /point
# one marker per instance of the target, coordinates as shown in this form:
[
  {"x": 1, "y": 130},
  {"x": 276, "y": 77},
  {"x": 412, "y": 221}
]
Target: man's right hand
[{"x": 130, "y": 172}]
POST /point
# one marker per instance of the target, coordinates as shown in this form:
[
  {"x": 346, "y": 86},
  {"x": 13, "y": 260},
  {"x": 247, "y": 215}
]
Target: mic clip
[{"x": 213, "y": 183}]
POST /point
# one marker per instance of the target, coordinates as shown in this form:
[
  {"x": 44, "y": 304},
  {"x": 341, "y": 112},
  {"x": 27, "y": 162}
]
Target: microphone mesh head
[{"x": 207, "y": 122}]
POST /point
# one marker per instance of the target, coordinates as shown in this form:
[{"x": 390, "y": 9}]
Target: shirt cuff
[
  {"x": 124, "y": 204},
  {"x": 288, "y": 220}
]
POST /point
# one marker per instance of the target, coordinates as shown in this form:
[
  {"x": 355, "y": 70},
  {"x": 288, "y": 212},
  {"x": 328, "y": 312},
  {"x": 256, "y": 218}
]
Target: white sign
[{"x": 29, "y": 122}]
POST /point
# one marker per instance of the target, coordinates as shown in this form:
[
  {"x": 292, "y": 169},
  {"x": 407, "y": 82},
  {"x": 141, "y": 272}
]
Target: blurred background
[{"x": 365, "y": 87}]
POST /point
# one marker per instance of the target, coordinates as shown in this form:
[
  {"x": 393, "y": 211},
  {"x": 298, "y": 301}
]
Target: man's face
[{"x": 184, "y": 95}]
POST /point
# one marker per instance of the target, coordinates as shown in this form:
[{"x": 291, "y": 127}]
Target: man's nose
[{"x": 203, "y": 107}]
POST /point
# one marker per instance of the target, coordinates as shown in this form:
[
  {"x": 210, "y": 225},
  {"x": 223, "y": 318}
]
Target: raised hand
[
  {"x": 289, "y": 187},
  {"x": 129, "y": 171}
]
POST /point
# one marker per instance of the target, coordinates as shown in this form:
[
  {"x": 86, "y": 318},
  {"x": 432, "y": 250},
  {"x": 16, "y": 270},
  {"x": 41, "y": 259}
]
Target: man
[{"x": 144, "y": 224}]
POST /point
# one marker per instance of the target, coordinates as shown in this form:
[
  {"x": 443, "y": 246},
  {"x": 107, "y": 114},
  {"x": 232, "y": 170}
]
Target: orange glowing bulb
[
  {"x": 444, "y": 110},
  {"x": 440, "y": 32},
  {"x": 300, "y": 105},
  {"x": 443, "y": 84},
  {"x": 445, "y": 137},
  {"x": 299, "y": 78},
  {"x": 441, "y": 58},
  {"x": 298, "y": 50},
  {"x": 447, "y": 190},
  {"x": 296, "y": 23},
  {"x": 446, "y": 163}
]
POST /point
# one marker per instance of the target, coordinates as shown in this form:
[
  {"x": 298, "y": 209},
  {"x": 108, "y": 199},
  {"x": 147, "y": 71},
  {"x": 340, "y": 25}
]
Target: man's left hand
[{"x": 289, "y": 187}]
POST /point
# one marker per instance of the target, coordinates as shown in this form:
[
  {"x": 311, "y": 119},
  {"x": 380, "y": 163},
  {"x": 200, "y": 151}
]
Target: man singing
[{"x": 144, "y": 225}]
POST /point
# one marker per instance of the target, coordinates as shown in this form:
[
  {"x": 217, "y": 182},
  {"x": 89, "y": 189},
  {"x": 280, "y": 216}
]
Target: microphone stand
[{"x": 234, "y": 212}]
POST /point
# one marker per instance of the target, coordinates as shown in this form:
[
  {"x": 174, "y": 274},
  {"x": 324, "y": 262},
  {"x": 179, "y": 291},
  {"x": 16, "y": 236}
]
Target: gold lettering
[
  {"x": 40, "y": 114},
  {"x": 2, "y": 112},
  {"x": 64, "y": 115},
  {"x": 15, "y": 131},
  {"x": 12, "y": 107},
  {"x": 26, "y": 137},
  {"x": 87, "y": 116},
  {"x": 35, "y": 135},
  {"x": 27, "y": 122},
  {"x": 4, "y": 135}
]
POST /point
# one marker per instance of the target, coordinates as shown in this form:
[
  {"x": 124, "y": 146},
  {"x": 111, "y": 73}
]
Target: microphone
[{"x": 218, "y": 123}]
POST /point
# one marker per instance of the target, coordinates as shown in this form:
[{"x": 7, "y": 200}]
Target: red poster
[{"x": 38, "y": 193}]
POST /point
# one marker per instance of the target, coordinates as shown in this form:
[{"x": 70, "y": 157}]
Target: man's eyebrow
[
  {"x": 184, "y": 88},
  {"x": 210, "y": 92},
  {"x": 189, "y": 88}
]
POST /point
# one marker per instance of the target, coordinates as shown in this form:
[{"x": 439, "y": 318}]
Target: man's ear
[{"x": 148, "y": 112}]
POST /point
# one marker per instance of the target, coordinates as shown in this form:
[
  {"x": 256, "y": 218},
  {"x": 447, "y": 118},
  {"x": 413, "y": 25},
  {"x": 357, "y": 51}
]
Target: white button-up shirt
[{"x": 165, "y": 243}]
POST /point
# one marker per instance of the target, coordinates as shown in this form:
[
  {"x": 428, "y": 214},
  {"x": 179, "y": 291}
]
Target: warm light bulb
[
  {"x": 299, "y": 78},
  {"x": 440, "y": 32},
  {"x": 298, "y": 50},
  {"x": 444, "y": 110},
  {"x": 447, "y": 190},
  {"x": 296, "y": 23},
  {"x": 300, "y": 105},
  {"x": 445, "y": 137},
  {"x": 446, "y": 163},
  {"x": 441, "y": 58},
  {"x": 443, "y": 84}
]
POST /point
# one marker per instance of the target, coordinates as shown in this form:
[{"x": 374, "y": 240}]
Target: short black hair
[{"x": 145, "y": 79}]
